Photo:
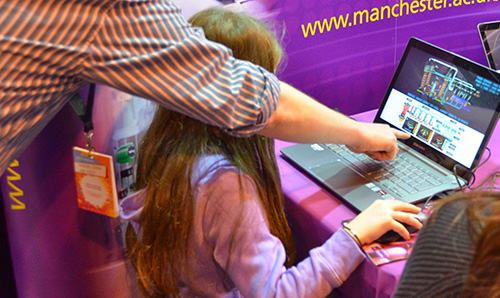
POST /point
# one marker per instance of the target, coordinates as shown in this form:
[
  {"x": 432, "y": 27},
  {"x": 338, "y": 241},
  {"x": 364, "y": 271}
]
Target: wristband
[{"x": 353, "y": 235}]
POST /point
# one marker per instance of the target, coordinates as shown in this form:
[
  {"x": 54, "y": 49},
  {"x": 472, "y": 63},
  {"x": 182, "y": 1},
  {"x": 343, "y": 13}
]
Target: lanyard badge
[{"x": 94, "y": 172}]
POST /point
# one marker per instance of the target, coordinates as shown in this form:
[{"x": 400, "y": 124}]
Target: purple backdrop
[
  {"x": 350, "y": 68},
  {"x": 59, "y": 250}
]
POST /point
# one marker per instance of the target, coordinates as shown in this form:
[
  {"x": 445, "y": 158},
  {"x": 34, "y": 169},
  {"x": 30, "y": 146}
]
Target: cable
[
  {"x": 437, "y": 195},
  {"x": 471, "y": 172},
  {"x": 485, "y": 160},
  {"x": 490, "y": 180},
  {"x": 471, "y": 181}
]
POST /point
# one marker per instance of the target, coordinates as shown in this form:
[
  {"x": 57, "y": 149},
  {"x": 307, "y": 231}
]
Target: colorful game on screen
[{"x": 443, "y": 106}]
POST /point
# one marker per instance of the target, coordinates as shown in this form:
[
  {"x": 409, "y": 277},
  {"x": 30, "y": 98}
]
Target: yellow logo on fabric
[
  {"x": 402, "y": 8},
  {"x": 16, "y": 192}
]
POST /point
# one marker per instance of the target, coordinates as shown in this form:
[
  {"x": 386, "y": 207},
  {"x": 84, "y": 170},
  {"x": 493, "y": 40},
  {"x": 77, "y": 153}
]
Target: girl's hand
[{"x": 382, "y": 216}]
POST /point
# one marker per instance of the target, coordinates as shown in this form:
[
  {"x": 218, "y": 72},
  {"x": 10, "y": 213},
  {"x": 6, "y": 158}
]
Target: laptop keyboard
[{"x": 401, "y": 175}]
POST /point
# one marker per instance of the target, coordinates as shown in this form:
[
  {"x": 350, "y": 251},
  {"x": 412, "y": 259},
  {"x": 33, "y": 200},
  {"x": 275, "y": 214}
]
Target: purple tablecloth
[{"x": 315, "y": 214}]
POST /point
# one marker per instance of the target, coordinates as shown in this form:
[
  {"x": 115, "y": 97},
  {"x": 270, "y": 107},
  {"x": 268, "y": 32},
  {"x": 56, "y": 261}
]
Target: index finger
[
  {"x": 401, "y": 134},
  {"x": 387, "y": 154},
  {"x": 406, "y": 207}
]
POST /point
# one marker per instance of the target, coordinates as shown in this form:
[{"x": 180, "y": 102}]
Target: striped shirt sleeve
[{"x": 147, "y": 48}]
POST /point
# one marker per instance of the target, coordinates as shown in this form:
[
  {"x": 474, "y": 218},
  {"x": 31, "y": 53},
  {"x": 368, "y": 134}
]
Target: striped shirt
[{"x": 50, "y": 49}]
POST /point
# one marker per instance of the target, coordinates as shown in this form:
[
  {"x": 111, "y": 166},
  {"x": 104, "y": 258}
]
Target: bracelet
[{"x": 353, "y": 235}]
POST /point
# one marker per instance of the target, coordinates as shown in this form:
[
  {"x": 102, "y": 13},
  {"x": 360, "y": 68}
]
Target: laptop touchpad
[{"x": 339, "y": 176}]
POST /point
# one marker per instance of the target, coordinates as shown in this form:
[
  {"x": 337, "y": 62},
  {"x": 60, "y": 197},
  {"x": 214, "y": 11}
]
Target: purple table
[{"x": 315, "y": 214}]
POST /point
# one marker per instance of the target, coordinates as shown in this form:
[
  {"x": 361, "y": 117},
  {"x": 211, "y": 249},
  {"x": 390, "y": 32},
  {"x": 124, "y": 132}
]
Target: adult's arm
[
  {"x": 299, "y": 118},
  {"x": 148, "y": 49}
]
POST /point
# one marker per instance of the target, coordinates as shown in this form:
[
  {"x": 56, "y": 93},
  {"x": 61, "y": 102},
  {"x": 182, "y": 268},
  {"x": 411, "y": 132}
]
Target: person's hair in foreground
[
  {"x": 483, "y": 213},
  {"x": 170, "y": 147},
  {"x": 457, "y": 252}
]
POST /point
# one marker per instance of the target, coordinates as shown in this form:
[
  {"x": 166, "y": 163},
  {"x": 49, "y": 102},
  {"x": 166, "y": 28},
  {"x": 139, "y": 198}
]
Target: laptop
[
  {"x": 448, "y": 104},
  {"x": 490, "y": 37}
]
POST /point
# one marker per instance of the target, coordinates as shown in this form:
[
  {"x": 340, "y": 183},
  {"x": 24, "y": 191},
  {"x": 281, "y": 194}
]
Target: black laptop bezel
[
  {"x": 482, "y": 28},
  {"x": 464, "y": 63}
]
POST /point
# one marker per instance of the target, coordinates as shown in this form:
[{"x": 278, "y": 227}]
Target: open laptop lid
[
  {"x": 449, "y": 105},
  {"x": 490, "y": 37}
]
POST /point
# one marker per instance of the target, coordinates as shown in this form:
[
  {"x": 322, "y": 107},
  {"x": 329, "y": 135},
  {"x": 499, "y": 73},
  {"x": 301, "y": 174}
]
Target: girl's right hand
[{"x": 382, "y": 216}]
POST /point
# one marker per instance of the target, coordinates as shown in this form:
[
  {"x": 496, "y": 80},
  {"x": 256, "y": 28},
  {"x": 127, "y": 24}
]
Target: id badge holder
[
  {"x": 95, "y": 180},
  {"x": 94, "y": 172}
]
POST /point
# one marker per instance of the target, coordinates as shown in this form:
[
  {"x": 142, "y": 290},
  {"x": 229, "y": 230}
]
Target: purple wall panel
[
  {"x": 59, "y": 250},
  {"x": 350, "y": 68}
]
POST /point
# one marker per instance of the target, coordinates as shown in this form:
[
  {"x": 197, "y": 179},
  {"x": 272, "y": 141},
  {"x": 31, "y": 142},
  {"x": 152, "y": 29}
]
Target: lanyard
[{"x": 84, "y": 112}]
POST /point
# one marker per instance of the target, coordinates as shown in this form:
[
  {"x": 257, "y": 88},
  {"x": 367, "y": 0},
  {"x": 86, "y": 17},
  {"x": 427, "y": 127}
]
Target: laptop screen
[
  {"x": 490, "y": 36},
  {"x": 448, "y": 104}
]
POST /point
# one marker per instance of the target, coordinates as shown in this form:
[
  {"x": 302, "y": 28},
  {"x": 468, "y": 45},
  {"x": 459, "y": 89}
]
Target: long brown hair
[{"x": 170, "y": 147}]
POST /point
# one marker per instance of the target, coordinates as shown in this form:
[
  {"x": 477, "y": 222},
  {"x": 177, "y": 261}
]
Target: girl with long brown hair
[{"x": 210, "y": 221}]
